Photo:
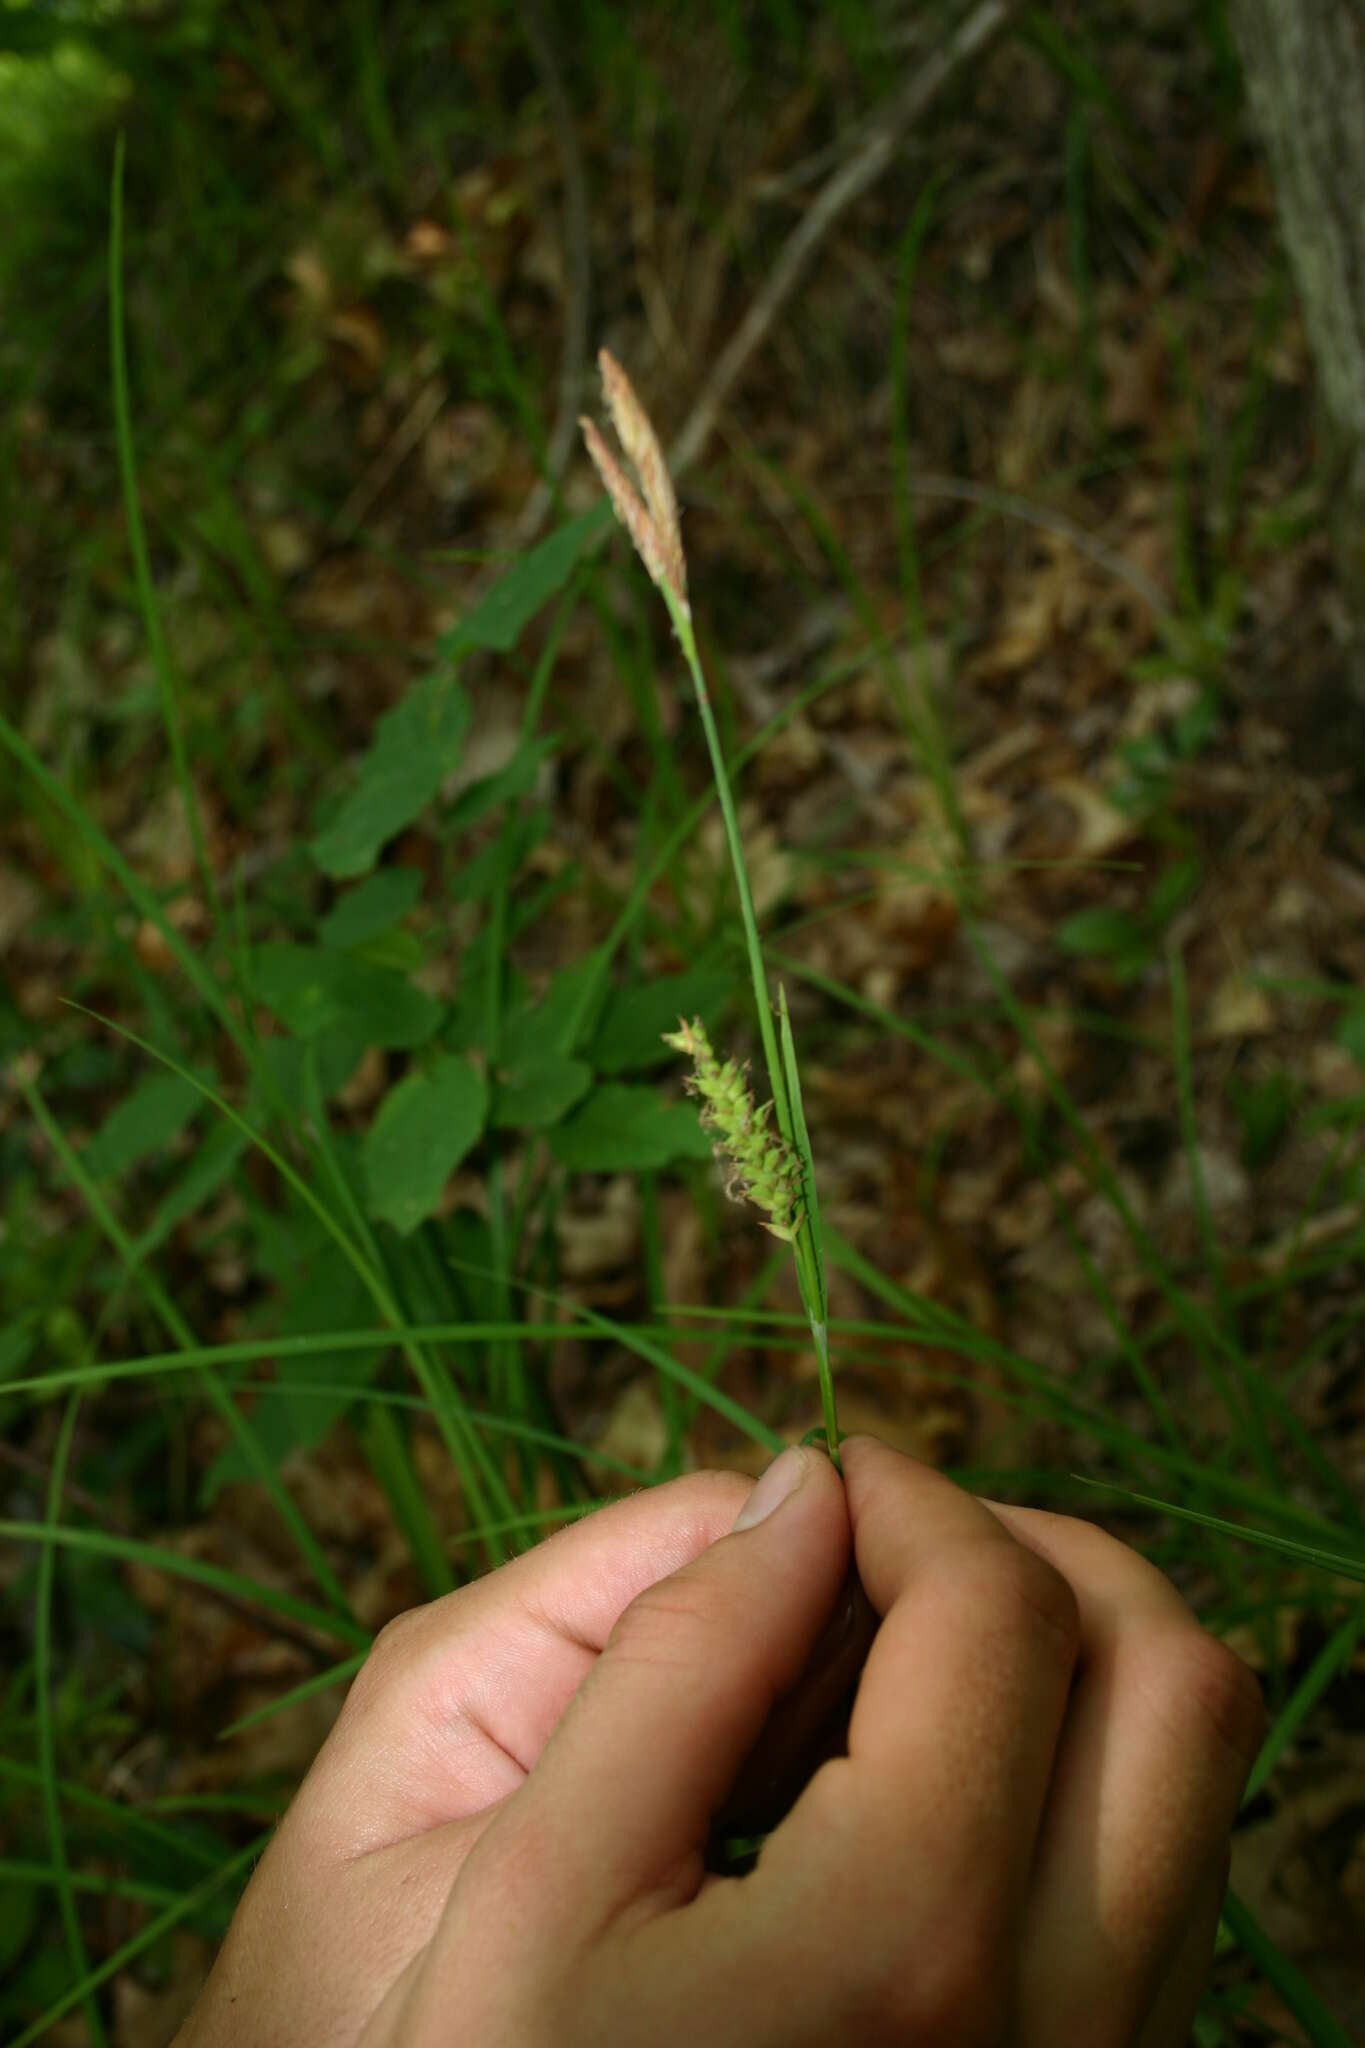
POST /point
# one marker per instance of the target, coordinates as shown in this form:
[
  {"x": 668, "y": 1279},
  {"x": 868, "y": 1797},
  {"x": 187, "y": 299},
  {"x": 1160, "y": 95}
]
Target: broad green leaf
[
  {"x": 146, "y": 1121},
  {"x": 534, "y": 1097},
  {"x": 324, "y": 1293},
  {"x": 561, "y": 1020},
  {"x": 1104, "y": 931},
  {"x": 498, "y": 860},
  {"x": 415, "y": 747},
  {"x": 1264, "y": 1109},
  {"x": 467, "y": 1024},
  {"x": 335, "y": 1050},
  {"x": 211, "y": 1165},
  {"x": 500, "y": 618},
  {"x": 1351, "y": 1032},
  {"x": 508, "y": 783},
  {"x": 623, "y": 1128},
  {"x": 424, "y": 1128},
  {"x": 1173, "y": 888},
  {"x": 17, "y": 1339},
  {"x": 311, "y": 988},
  {"x": 371, "y": 909},
  {"x": 629, "y": 1036}
]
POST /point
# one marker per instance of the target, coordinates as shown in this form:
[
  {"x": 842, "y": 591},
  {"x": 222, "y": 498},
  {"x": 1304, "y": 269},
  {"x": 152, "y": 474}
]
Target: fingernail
[{"x": 782, "y": 1477}]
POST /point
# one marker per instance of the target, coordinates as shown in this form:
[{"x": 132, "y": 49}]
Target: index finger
[{"x": 921, "y": 1840}]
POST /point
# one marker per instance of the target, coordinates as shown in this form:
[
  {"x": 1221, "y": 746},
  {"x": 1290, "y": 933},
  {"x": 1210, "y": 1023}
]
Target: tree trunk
[{"x": 1305, "y": 70}]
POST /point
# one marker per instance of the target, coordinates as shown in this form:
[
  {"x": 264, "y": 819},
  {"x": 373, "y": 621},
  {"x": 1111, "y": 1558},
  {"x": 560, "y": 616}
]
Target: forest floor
[{"x": 1061, "y": 858}]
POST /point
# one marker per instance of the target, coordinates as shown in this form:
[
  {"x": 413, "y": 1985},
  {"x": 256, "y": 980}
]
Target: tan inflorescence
[
  {"x": 653, "y": 524},
  {"x": 763, "y": 1167}
]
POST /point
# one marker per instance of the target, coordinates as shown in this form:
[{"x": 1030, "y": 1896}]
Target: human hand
[{"x": 503, "y": 1840}]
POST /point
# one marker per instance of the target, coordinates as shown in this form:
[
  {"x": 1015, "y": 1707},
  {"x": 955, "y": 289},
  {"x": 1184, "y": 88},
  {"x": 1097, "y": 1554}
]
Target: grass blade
[
  {"x": 146, "y": 1938},
  {"x": 170, "y": 1317},
  {"x": 1324, "y": 2031},
  {"x": 128, "y": 1550},
  {"x": 47, "y": 1759},
  {"x": 137, "y": 538},
  {"x": 1346, "y": 1564}
]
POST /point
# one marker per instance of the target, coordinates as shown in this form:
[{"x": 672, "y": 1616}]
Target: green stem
[
  {"x": 47, "y": 1746},
  {"x": 682, "y": 625},
  {"x": 809, "y": 1265}
]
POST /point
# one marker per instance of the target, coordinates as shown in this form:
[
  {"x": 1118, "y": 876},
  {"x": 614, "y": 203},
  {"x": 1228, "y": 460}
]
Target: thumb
[{"x": 620, "y": 1802}]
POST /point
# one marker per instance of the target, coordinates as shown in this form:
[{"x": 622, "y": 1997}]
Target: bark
[{"x": 1305, "y": 69}]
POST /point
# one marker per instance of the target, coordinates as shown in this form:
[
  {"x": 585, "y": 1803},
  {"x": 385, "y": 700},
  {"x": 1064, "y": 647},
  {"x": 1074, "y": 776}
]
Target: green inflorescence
[{"x": 763, "y": 1167}]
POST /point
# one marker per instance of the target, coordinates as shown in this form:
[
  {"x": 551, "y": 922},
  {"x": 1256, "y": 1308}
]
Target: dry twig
[
  {"x": 836, "y": 195},
  {"x": 577, "y": 277}
]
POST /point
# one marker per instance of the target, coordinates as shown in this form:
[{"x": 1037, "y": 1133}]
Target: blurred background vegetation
[{"x": 363, "y": 1232}]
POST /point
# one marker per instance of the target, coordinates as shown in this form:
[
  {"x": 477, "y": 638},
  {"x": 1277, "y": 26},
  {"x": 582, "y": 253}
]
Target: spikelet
[
  {"x": 653, "y": 523},
  {"x": 763, "y": 1167}
]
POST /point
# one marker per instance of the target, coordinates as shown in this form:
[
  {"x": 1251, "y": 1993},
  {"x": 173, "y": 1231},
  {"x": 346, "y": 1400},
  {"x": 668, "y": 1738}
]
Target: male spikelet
[
  {"x": 762, "y": 1164},
  {"x": 652, "y": 525}
]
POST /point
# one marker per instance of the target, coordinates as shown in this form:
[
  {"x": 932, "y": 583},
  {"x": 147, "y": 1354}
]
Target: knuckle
[
  {"x": 394, "y": 1640},
  {"x": 389, "y": 1653},
  {"x": 1024, "y": 1593},
  {"x": 1202, "y": 1681},
  {"x": 663, "y": 1622}
]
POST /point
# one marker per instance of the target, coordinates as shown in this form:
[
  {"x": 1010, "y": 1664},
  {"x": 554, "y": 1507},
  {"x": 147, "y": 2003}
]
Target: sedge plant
[{"x": 767, "y": 1149}]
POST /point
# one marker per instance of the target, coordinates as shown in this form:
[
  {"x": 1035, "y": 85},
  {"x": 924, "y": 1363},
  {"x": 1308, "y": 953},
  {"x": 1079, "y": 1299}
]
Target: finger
[
  {"x": 900, "y": 1873},
  {"x": 1163, "y": 1726},
  {"x": 618, "y": 1808},
  {"x": 459, "y": 1697},
  {"x": 1172, "y": 2015},
  {"x": 921, "y": 1841}
]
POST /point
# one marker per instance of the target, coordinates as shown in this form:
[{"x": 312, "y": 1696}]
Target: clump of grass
[{"x": 771, "y": 1165}]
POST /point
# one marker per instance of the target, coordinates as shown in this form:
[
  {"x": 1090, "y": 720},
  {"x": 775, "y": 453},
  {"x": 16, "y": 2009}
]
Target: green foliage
[
  {"x": 416, "y": 745},
  {"x": 311, "y": 989},
  {"x": 623, "y": 1128},
  {"x": 371, "y": 909},
  {"x": 147, "y": 1120},
  {"x": 630, "y": 1032},
  {"x": 1264, "y": 1108},
  {"x": 1351, "y": 1031},
  {"x": 535, "y": 1095},
  {"x": 499, "y": 619},
  {"x": 1128, "y": 943},
  {"x": 352, "y": 1297},
  {"x": 427, "y": 1125},
  {"x": 317, "y": 1291}
]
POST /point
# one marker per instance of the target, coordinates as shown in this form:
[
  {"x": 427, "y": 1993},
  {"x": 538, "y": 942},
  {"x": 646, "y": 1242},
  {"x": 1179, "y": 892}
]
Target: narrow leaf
[{"x": 801, "y": 1140}]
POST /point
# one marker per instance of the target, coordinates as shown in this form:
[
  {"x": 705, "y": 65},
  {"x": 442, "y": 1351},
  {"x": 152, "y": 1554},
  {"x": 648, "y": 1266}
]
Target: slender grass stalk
[
  {"x": 137, "y": 538},
  {"x": 184, "y": 1908},
  {"x": 476, "y": 1470},
  {"x": 167, "y": 1313},
  {"x": 61, "y": 1875},
  {"x": 1331, "y": 1659},
  {"x": 113, "y": 1813},
  {"x": 650, "y": 516},
  {"x": 128, "y": 1550}
]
